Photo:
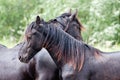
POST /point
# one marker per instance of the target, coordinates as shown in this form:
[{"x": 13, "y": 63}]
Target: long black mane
[{"x": 64, "y": 46}]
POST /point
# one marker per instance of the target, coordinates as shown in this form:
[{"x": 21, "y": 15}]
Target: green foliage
[
  {"x": 101, "y": 18},
  {"x": 104, "y": 22}
]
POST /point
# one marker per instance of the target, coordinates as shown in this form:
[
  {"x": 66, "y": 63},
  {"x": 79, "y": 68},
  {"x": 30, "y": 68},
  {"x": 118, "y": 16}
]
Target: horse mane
[
  {"x": 65, "y": 46},
  {"x": 80, "y": 24},
  {"x": 75, "y": 22},
  {"x": 81, "y": 27}
]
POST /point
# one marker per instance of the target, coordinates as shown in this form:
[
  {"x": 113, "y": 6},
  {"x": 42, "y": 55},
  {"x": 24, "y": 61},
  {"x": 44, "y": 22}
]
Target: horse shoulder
[{"x": 45, "y": 65}]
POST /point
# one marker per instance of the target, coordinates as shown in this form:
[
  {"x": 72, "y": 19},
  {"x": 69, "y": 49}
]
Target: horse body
[
  {"x": 106, "y": 66},
  {"x": 75, "y": 32},
  {"x": 97, "y": 66},
  {"x": 10, "y": 67},
  {"x": 74, "y": 29},
  {"x": 75, "y": 59}
]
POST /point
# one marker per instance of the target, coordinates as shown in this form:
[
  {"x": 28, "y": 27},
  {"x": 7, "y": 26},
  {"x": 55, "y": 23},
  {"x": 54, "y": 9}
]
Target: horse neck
[
  {"x": 79, "y": 37},
  {"x": 76, "y": 33},
  {"x": 80, "y": 26},
  {"x": 51, "y": 44},
  {"x": 64, "y": 49}
]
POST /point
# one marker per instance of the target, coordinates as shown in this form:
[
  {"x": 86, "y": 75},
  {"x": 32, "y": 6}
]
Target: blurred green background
[{"x": 101, "y": 19}]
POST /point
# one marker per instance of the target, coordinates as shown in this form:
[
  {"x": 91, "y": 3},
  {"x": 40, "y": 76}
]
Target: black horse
[
  {"x": 69, "y": 23},
  {"x": 83, "y": 61},
  {"x": 73, "y": 27},
  {"x": 11, "y": 68},
  {"x": 42, "y": 64}
]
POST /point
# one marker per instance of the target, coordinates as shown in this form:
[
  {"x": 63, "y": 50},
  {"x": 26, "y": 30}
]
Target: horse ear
[
  {"x": 73, "y": 15},
  {"x": 38, "y": 20},
  {"x": 69, "y": 11}
]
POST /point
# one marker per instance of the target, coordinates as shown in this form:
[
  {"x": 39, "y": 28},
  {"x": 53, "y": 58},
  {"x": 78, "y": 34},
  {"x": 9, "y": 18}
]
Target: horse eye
[
  {"x": 54, "y": 20},
  {"x": 28, "y": 38},
  {"x": 34, "y": 33},
  {"x": 29, "y": 35},
  {"x": 63, "y": 16}
]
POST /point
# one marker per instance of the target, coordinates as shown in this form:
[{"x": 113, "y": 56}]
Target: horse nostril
[{"x": 19, "y": 57}]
